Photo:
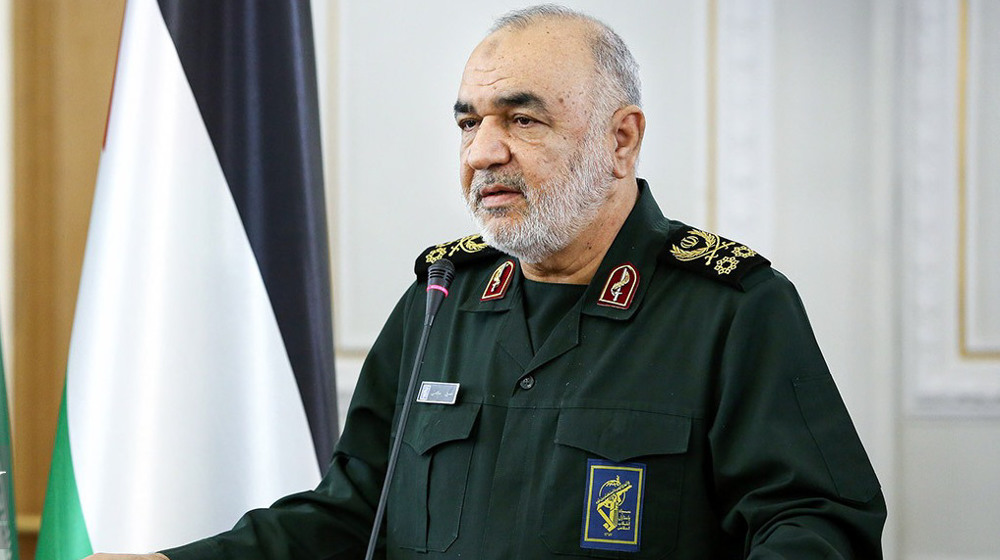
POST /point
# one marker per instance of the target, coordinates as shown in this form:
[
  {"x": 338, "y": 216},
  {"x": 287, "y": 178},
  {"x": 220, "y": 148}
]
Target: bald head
[{"x": 614, "y": 64}]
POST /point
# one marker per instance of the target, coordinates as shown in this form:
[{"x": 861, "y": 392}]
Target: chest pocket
[
  {"x": 428, "y": 491},
  {"x": 657, "y": 441}
]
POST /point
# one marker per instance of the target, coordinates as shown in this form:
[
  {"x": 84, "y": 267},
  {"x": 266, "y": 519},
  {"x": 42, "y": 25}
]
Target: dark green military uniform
[{"x": 680, "y": 409}]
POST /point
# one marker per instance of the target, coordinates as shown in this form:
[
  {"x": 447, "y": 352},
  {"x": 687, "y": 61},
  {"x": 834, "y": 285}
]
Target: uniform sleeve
[
  {"x": 790, "y": 472},
  {"x": 334, "y": 520}
]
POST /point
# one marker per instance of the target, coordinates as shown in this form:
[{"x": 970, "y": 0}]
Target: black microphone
[{"x": 439, "y": 277}]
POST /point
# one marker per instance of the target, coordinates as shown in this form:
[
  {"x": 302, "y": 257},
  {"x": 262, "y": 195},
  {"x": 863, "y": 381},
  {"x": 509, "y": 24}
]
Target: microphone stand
[{"x": 439, "y": 277}]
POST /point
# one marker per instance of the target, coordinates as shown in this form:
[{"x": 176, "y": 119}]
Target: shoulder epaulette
[
  {"x": 468, "y": 249},
  {"x": 711, "y": 255}
]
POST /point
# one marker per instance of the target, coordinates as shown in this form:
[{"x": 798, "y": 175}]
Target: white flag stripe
[{"x": 182, "y": 407}]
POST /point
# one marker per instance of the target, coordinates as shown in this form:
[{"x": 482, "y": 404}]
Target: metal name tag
[{"x": 436, "y": 392}]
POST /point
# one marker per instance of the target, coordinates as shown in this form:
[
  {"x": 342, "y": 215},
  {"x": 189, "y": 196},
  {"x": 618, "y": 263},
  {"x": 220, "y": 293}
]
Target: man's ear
[{"x": 628, "y": 125}]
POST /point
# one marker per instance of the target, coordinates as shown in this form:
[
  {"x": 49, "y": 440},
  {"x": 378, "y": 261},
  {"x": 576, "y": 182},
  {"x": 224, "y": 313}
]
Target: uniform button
[{"x": 527, "y": 382}]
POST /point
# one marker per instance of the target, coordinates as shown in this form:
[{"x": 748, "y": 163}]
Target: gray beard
[{"x": 556, "y": 212}]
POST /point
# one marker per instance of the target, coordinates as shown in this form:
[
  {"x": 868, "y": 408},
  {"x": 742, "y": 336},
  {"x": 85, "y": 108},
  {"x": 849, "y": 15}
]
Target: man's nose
[{"x": 488, "y": 147}]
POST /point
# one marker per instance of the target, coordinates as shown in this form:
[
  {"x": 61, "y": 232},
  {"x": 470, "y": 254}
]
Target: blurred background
[{"x": 852, "y": 142}]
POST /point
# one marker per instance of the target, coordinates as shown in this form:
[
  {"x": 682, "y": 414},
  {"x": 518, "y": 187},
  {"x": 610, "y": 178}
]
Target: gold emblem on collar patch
[
  {"x": 496, "y": 287},
  {"x": 620, "y": 288}
]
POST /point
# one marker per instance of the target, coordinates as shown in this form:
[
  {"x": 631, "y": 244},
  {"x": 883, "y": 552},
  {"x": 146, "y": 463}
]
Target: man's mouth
[{"x": 499, "y": 195}]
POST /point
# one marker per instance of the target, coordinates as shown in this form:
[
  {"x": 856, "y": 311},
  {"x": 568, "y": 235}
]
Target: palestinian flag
[{"x": 200, "y": 376}]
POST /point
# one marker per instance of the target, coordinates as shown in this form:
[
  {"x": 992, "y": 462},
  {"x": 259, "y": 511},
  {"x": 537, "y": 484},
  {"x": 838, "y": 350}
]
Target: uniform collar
[{"x": 635, "y": 248}]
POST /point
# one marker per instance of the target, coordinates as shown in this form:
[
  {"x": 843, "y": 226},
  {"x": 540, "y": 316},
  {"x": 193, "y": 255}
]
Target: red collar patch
[
  {"x": 620, "y": 288},
  {"x": 496, "y": 288}
]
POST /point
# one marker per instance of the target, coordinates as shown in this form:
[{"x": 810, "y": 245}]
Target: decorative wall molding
[
  {"x": 941, "y": 378},
  {"x": 979, "y": 185},
  {"x": 744, "y": 198}
]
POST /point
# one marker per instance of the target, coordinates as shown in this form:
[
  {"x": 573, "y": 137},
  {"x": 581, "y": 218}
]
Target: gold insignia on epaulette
[
  {"x": 468, "y": 244},
  {"x": 711, "y": 255},
  {"x": 697, "y": 245},
  {"x": 744, "y": 252},
  {"x": 725, "y": 265}
]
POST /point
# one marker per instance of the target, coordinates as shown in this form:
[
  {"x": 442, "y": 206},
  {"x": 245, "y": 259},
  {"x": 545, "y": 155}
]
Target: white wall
[
  {"x": 807, "y": 161},
  {"x": 949, "y": 455},
  {"x": 832, "y": 204}
]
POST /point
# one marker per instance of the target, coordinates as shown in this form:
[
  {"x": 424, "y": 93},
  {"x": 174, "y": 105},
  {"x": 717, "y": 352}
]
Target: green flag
[{"x": 8, "y": 527}]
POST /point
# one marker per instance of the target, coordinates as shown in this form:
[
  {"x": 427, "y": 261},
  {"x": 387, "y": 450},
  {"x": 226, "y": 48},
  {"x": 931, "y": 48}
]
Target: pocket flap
[
  {"x": 432, "y": 425},
  {"x": 619, "y": 435}
]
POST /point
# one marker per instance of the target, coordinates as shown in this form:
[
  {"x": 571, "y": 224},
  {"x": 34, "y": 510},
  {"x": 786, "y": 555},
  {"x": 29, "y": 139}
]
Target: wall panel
[{"x": 64, "y": 58}]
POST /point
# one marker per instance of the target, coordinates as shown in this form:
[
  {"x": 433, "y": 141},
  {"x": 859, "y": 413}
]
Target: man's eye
[
  {"x": 521, "y": 120},
  {"x": 467, "y": 124}
]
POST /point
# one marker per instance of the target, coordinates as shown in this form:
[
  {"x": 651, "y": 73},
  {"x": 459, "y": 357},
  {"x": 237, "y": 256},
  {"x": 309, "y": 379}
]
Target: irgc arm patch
[
  {"x": 711, "y": 255},
  {"x": 612, "y": 507}
]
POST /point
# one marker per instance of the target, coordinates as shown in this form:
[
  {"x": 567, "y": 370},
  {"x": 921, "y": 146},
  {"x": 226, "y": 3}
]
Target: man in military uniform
[{"x": 628, "y": 386}]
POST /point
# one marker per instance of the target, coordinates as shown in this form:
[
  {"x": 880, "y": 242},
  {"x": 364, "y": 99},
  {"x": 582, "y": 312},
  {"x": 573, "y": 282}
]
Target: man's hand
[{"x": 104, "y": 556}]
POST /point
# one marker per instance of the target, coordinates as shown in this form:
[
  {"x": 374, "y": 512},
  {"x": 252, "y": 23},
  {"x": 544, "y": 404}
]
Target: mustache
[{"x": 483, "y": 180}]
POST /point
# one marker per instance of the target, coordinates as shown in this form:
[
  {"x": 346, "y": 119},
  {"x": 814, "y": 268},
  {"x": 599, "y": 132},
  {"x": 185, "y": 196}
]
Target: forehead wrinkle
[{"x": 478, "y": 77}]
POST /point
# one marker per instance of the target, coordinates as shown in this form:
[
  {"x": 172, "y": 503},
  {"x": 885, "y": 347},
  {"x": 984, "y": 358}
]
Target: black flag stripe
[{"x": 252, "y": 69}]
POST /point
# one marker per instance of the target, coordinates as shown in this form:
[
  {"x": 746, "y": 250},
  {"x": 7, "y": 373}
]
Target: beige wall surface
[
  {"x": 6, "y": 187},
  {"x": 63, "y": 59}
]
